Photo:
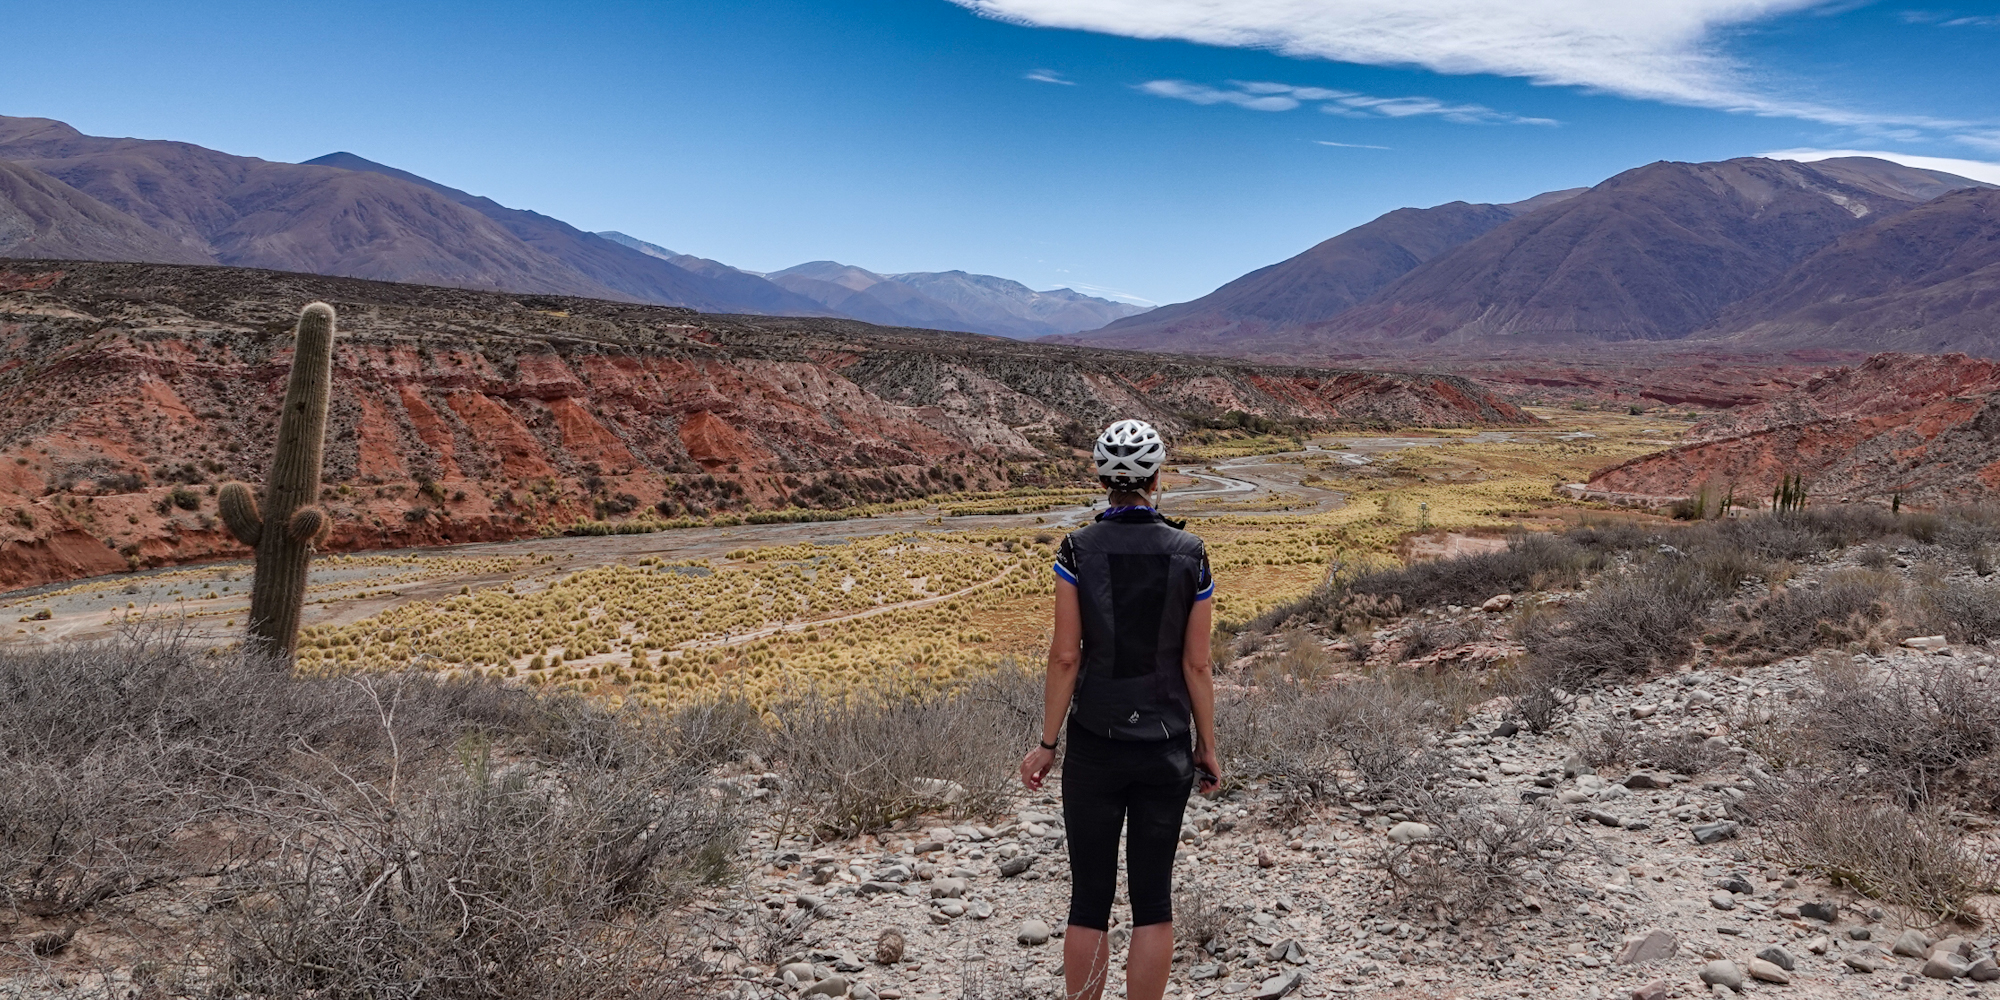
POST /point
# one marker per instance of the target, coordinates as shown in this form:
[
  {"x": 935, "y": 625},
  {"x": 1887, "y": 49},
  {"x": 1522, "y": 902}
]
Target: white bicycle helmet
[{"x": 1128, "y": 454}]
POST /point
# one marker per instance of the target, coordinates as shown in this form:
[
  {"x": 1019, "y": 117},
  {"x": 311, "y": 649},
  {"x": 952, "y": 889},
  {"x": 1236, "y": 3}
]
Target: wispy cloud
[
  {"x": 1662, "y": 50},
  {"x": 1347, "y": 145},
  {"x": 1266, "y": 96},
  {"x": 1049, "y": 76},
  {"x": 1195, "y": 93},
  {"x": 1947, "y": 19},
  {"x": 1978, "y": 170}
]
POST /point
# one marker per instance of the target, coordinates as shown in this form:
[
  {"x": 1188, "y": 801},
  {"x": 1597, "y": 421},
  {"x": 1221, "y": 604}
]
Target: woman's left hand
[{"x": 1035, "y": 766}]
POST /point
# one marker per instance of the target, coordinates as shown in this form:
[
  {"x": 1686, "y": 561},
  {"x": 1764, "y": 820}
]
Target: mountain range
[
  {"x": 1851, "y": 253},
  {"x": 1743, "y": 256},
  {"x": 69, "y": 196},
  {"x": 941, "y": 300}
]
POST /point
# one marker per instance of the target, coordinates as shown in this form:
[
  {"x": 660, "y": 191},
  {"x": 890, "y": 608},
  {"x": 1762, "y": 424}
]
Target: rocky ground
[{"x": 1670, "y": 895}]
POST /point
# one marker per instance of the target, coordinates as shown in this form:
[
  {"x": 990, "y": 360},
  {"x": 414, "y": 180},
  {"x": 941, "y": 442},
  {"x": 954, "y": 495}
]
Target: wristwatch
[{"x": 1046, "y": 746}]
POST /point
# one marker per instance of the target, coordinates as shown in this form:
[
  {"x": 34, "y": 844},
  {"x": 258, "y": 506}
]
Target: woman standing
[{"x": 1129, "y": 675}]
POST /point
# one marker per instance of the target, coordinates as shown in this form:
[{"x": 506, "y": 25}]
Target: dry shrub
[
  {"x": 1625, "y": 626},
  {"x": 1914, "y": 858},
  {"x": 1199, "y": 916},
  {"x": 363, "y": 842},
  {"x": 1430, "y": 637},
  {"x": 483, "y": 881},
  {"x": 1480, "y": 853},
  {"x": 862, "y": 761},
  {"x": 1681, "y": 753},
  {"x": 1364, "y": 738},
  {"x": 713, "y": 730},
  {"x": 1908, "y": 733},
  {"x": 1799, "y": 619},
  {"x": 1609, "y": 746},
  {"x": 1960, "y": 611},
  {"x": 1530, "y": 561}
]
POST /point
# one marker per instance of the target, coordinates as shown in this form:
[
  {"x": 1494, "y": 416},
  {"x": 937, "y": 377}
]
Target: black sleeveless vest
[{"x": 1137, "y": 577}]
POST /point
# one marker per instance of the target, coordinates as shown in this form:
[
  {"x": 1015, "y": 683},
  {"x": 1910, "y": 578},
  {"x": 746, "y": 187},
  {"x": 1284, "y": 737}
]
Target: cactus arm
[
  {"x": 239, "y": 513},
  {"x": 309, "y": 525}
]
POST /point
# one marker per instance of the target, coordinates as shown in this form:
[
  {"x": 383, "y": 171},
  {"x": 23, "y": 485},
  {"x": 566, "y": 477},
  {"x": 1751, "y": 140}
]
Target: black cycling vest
[{"x": 1137, "y": 577}]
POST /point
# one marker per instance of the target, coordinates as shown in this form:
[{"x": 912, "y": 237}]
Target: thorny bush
[{"x": 369, "y": 836}]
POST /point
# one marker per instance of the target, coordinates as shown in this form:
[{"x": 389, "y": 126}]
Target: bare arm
[
  {"x": 1065, "y": 659},
  {"x": 1201, "y": 689}
]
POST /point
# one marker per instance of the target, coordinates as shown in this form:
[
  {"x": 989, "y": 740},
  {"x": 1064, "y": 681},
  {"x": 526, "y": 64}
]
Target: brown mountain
[
  {"x": 1314, "y": 286},
  {"x": 1654, "y": 253},
  {"x": 43, "y": 217},
  {"x": 1660, "y": 252},
  {"x": 1925, "y": 280},
  {"x": 352, "y": 218},
  {"x": 622, "y": 268},
  {"x": 469, "y": 415}
]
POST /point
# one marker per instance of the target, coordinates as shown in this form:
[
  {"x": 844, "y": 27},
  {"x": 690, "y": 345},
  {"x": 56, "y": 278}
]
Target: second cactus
[{"x": 287, "y": 527}]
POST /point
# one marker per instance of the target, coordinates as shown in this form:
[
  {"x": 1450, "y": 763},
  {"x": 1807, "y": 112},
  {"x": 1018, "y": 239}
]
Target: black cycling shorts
[{"x": 1107, "y": 784}]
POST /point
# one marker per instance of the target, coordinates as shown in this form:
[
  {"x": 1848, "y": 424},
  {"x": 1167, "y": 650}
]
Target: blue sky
[{"x": 1148, "y": 148}]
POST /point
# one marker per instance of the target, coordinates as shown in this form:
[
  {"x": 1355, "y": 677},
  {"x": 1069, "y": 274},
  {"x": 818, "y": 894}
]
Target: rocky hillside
[
  {"x": 127, "y": 391},
  {"x": 1927, "y": 428},
  {"x": 1926, "y": 280}
]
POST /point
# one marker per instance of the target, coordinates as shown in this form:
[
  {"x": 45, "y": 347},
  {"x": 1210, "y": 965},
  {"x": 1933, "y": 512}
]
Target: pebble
[
  {"x": 1409, "y": 831},
  {"x": 831, "y": 986},
  {"x": 1034, "y": 932},
  {"x": 1655, "y": 990},
  {"x": 1723, "y": 972},
  {"x": 1768, "y": 972},
  {"x": 1280, "y": 985},
  {"x": 1713, "y": 832},
  {"x": 1779, "y": 957},
  {"x": 1867, "y": 959},
  {"x": 1945, "y": 965},
  {"x": 1911, "y": 944},
  {"x": 1655, "y": 945},
  {"x": 1820, "y": 910},
  {"x": 1722, "y": 901}
]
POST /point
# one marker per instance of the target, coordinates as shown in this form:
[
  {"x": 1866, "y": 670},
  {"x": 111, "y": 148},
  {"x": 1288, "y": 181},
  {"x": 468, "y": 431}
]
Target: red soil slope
[
  {"x": 471, "y": 416},
  {"x": 1925, "y": 427}
]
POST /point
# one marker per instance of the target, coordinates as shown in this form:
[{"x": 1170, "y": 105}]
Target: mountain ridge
[
  {"x": 67, "y": 195},
  {"x": 1665, "y": 252}
]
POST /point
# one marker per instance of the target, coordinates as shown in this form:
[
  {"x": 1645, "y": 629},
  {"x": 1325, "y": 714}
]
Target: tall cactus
[{"x": 291, "y": 523}]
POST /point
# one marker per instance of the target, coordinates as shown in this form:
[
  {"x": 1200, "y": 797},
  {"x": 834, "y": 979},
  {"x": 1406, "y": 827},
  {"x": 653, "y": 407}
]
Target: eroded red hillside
[
  {"x": 128, "y": 391},
  {"x": 1925, "y": 427}
]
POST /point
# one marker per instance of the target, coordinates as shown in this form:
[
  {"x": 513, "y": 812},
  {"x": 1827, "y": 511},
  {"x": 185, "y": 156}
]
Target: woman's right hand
[
  {"x": 1035, "y": 767},
  {"x": 1208, "y": 769}
]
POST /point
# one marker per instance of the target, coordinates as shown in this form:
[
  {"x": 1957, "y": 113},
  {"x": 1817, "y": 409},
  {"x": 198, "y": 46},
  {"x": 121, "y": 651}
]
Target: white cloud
[
  {"x": 1196, "y": 93},
  {"x": 1664, "y": 50},
  {"x": 1978, "y": 170},
  {"x": 1266, "y": 96},
  {"x": 1946, "y": 20},
  {"x": 1049, "y": 76},
  {"x": 1348, "y": 145}
]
